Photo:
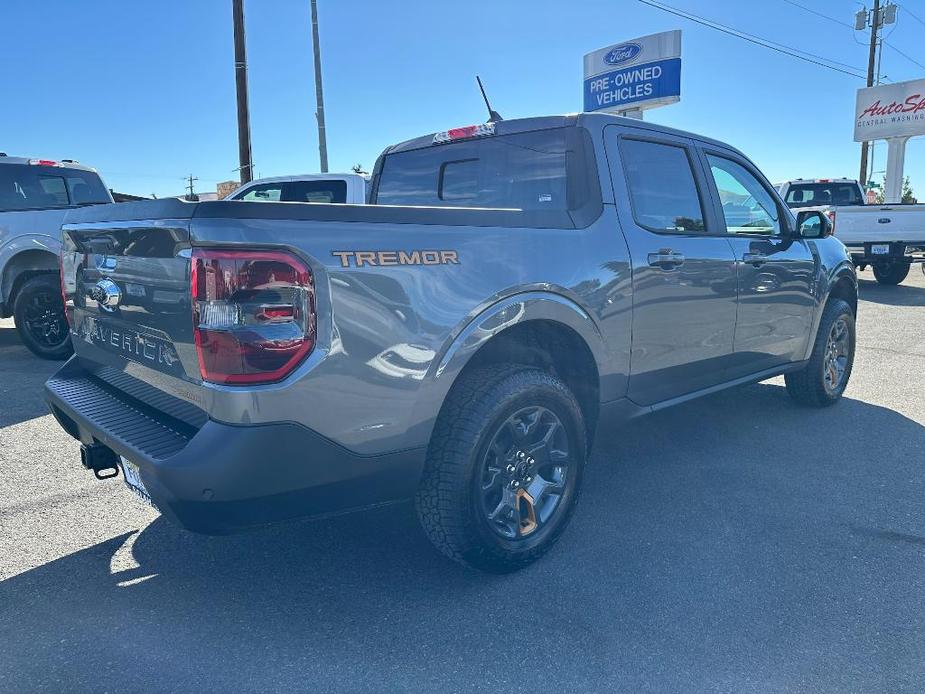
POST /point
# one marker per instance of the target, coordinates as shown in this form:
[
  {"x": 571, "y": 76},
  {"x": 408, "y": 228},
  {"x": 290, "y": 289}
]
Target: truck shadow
[
  {"x": 900, "y": 295},
  {"x": 709, "y": 518},
  {"x": 22, "y": 376}
]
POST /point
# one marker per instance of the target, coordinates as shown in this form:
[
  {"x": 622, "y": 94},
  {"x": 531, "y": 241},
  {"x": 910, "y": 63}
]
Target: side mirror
[{"x": 812, "y": 224}]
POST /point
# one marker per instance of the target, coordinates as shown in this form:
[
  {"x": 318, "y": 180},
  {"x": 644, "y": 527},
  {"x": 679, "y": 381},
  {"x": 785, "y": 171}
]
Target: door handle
[
  {"x": 666, "y": 259},
  {"x": 755, "y": 259}
]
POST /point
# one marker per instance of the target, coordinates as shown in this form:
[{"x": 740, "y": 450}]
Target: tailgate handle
[{"x": 666, "y": 259}]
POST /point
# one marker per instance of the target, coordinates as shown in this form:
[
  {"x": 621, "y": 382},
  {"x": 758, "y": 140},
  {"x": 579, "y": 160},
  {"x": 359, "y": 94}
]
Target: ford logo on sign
[{"x": 623, "y": 53}]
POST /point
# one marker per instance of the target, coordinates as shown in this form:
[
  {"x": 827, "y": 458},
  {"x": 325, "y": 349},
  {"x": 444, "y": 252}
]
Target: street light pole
[
  {"x": 319, "y": 95},
  {"x": 240, "y": 78}
]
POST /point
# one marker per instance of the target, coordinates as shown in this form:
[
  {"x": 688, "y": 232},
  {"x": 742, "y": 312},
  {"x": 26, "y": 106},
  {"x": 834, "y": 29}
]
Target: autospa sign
[
  {"x": 890, "y": 110},
  {"x": 638, "y": 74}
]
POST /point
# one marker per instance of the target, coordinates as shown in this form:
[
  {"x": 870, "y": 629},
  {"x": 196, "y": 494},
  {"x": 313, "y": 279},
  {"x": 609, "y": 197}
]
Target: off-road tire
[
  {"x": 807, "y": 386},
  {"x": 891, "y": 273},
  {"x": 37, "y": 292},
  {"x": 447, "y": 503}
]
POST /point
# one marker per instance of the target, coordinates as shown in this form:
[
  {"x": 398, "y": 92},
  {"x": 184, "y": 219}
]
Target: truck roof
[
  {"x": 588, "y": 120},
  {"x": 62, "y": 163}
]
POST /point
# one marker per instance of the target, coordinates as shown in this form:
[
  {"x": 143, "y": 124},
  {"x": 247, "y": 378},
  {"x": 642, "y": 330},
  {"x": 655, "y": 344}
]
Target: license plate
[
  {"x": 132, "y": 476},
  {"x": 880, "y": 249}
]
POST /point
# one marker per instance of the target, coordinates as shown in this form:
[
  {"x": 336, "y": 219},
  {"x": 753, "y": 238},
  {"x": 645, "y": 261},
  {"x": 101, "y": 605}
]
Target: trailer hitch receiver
[{"x": 101, "y": 459}]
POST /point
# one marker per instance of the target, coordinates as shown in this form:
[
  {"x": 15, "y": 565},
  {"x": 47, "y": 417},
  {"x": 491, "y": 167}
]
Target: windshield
[
  {"x": 27, "y": 187},
  {"x": 812, "y": 194}
]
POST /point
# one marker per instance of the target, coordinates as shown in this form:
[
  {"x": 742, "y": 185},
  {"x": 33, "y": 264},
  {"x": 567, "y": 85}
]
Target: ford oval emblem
[
  {"x": 106, "y": 294},
  {"x": 623, "y": 53}
]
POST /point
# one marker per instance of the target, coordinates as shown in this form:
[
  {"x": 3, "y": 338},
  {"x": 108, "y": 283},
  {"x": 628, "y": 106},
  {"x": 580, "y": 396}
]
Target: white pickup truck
[
  {"x": 349, "y": 188},
  {"x": 35, "y": 196},
  {"x": 889, "y": 237}
]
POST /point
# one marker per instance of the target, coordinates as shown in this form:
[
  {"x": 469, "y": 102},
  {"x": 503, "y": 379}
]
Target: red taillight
[
  {"x": 831, "y": 216},
  {"x": 67, "y": 316},
  {"x": 43, "y": 162},
  {"x": 253, "y": 314}
]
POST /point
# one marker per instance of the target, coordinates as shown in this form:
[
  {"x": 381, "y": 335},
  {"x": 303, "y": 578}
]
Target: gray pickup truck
[
  {"x": 35, "y": 195},
  {"x": 458, "y": 341}
]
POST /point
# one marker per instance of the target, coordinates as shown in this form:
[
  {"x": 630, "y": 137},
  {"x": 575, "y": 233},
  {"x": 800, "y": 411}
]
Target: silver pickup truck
[
  {"x": 35, "y": 195},
  {"x": 511, "y": 287}
]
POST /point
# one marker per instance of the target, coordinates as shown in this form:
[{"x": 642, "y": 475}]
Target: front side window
[
  {"x": 269, "y": 192},
  {"x": 662, "y": 187},
  {"x": 748, "y": 207}
]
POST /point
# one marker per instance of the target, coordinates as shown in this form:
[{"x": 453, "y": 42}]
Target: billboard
[
  {"x": 890, "y": 110},
  {"x": 638, "y": 74}
]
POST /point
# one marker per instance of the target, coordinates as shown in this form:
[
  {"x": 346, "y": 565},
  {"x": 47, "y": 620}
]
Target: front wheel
[
  {"x": 824, "y": 378},
  {"x": 891, "y": 272},
  {"x": 504, "y": 468},
  {"x": 39, "y": 316}
]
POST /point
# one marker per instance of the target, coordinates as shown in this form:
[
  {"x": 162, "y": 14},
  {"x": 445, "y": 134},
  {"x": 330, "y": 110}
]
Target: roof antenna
[{"x": 493, "y": 116}]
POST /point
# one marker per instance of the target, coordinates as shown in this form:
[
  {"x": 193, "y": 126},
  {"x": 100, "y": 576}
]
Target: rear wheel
[
  {"x": 40, "y": 320},
  {"x": 504, "y": 468},
  {"x": 824, "y": 378},
  {"x": 891, "y": 272}
]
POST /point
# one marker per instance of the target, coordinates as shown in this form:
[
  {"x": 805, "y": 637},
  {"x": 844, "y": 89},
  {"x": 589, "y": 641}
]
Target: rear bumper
[
  {"x": 904, "y": 251},
  {"x": 220, "y": 477}
]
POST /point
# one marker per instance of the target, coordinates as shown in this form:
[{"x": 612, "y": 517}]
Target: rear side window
[
  {"x": 27, "y": 187},
  {"x": 662, "y": 188},
  {"x": 525, "y": 171},
  {"x": 315, "y": 191}
]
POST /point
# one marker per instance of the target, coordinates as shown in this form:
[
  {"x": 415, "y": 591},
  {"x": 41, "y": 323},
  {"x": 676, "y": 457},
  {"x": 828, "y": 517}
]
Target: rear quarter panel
[{"x": 392, "y": 338}]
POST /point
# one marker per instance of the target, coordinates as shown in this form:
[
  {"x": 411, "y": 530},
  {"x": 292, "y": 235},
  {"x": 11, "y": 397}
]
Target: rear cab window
[
  {"x": 547, "y": 173},
  {"x": 28, "y": 187},
  {"x": 813, "y": 194}
]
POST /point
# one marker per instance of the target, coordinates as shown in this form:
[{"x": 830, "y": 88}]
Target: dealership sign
[
  {"x": 634, "y": 75},
  {"x": 890, "y": 110}
]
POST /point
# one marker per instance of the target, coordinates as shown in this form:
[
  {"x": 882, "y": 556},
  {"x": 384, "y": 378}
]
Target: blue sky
[{"x": 144, "y": 91}]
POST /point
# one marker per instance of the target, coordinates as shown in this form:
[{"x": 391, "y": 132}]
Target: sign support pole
[{"x": 895, "y": 162}]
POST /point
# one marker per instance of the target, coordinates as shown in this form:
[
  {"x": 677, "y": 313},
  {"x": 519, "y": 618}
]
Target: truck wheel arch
[
  {"x": 20, "y": 267},
  {"x": 536, "y": 328},
  {"x": 843, "y": 285}
]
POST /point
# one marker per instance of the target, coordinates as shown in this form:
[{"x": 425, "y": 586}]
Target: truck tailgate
[
  {"x": 129, "y": 282},
  {"x": 855, "y": 226}
]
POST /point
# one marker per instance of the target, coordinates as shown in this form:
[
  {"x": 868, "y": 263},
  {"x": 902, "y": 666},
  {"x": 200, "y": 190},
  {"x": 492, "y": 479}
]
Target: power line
[
  {"x": 909, "y": 12},
  {"x": 759, "y": 41},
  {"x": 904, "y": 55},
  {"x": 818, "y": 14}
]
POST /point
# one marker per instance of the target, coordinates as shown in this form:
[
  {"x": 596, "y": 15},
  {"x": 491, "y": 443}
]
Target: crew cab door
[
  {"x": 684, "y": 269},
  {"x": 776, "y": 269}
]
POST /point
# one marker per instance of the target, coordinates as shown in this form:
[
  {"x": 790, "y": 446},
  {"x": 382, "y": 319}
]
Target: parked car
[
  {"x": 512, "y": 286},
  {"x": 888, "y": 237},
  {"x": 340, "y": 188},
  {"x": 35, "y": 195}
]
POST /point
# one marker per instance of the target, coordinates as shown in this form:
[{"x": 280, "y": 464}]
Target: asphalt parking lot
[{"x": 738, "y": 543}]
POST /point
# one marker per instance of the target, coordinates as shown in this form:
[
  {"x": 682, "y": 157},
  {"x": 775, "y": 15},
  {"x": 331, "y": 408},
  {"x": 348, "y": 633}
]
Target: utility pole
[
  {"x": 875, "y": 23},
  {"x": 190, "y": 194},
  {"x": 240, "y": 78},
  {"x": 319, "y": 95}
]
